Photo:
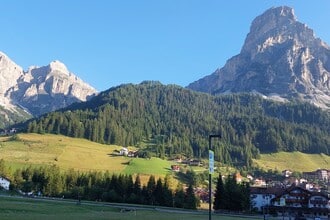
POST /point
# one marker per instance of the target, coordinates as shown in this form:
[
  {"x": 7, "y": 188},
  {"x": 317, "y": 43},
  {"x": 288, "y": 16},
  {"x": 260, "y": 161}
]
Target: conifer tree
[
  {"x": 167, "y": 194},
  {"x": 151, "y": 185},
  {"x": 159, "y": 193},
  {"x": 190, "y": 200},
  {"x": 179, "y": 197},
  {"x": 137, "y": 185},
  {"x": 137, "y": 191},
  {"x": 219, "y": 196}
]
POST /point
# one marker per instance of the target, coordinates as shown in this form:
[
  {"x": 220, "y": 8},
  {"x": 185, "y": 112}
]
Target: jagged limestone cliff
[{"x": 281, "y": 57}]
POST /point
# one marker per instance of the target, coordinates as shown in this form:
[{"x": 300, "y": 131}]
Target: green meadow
[
  {"x": 148, "y": 166},
  {"x": 65, "y": 152},
  {"x": 296, "y": 161},
  {"x": 83, "y": 155},
  {"x": 78, "y": 154},
  {"x": 30, "y": 209}
]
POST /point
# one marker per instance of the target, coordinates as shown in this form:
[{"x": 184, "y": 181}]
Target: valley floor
[{"x": 28, "y": 208}]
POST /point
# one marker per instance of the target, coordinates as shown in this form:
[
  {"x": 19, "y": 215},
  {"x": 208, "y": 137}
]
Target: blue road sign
[{"x": 211, "y": 161}]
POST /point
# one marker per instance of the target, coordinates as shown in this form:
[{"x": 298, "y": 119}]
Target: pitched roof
[
  {"x": 5, "y": 178},
  {"x": 267, "y": 190}
]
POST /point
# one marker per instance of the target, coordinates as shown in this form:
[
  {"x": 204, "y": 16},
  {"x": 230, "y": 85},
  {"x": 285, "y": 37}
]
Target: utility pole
[{"x": 211, "y": 170}]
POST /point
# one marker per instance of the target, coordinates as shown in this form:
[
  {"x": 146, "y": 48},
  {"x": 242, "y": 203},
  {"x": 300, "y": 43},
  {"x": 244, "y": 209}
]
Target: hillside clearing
[
  {"x": 296, "y": 161},
  {"x": 148, "y": 166},
  {"x": 79, "y": 154},
  {"x": 74, "y": 153}
]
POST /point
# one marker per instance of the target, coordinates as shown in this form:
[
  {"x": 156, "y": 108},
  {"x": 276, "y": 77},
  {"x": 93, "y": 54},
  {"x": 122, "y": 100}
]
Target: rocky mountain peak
[
  {"x": 9, "y": 72},
  {"x": 275, "y": 26},
  {"x": 280, "y": 56},
  {"x": 273, "y": 18},
  {"x": 7, "y": 63},
  {"x": 4, "y": 59},
  {"x": 58, "y": 66},
  {"x": 40, "y": 89}
]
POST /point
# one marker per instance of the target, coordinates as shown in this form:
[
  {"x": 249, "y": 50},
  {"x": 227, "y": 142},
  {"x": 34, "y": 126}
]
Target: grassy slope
[
  {"x": 79, "y": 154},
  {"x": 65, "y": 152},
  {"x": 146, "y": 166},
  {"x": 296, "y": 161}
]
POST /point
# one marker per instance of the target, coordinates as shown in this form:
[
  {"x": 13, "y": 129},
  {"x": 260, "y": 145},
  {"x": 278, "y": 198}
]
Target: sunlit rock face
[
  {"x": 40, "y": 89},
  {"x": 281, "y": 57}
]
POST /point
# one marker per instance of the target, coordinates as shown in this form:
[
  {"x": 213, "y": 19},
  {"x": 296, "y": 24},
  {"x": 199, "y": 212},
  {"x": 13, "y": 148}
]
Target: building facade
[
  {"x": 299, "y": 202},
  {"x": 4, "y": 183}
]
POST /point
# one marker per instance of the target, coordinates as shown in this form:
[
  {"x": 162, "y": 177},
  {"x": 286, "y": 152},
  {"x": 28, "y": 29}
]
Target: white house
[
  {"x": 123, "y": 151},
  {"x": 261, "y": 196},
  {"x": 4, "y": 183}
]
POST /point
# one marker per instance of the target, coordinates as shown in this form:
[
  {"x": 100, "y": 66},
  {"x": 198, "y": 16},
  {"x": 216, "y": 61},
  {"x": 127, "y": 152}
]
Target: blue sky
[{"x": 110, "y": 42}]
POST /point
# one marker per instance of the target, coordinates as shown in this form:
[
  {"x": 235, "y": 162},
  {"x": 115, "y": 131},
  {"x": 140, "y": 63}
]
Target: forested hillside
[
  {"x": 181, "y": 120},
  {"x": 9, "y": 117}
]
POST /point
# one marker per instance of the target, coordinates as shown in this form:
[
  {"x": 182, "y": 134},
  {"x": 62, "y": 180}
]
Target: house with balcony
[
  {"x": 294, "y": 196},
  {"x": 296, "y": 201},
  {"x": 319, "y": 203}
]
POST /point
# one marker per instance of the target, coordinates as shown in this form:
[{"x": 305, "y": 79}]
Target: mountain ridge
[
  {"x": 280, "y": 56},
  {"x": 39, "y": 89}
]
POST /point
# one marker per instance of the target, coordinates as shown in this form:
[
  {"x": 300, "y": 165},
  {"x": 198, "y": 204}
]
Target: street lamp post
[{"x": 211, "y": 171}]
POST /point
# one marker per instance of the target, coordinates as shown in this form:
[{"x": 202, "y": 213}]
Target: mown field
[
  {"x": 23, "y": 208},
  {"x": 296, "y": 161}
]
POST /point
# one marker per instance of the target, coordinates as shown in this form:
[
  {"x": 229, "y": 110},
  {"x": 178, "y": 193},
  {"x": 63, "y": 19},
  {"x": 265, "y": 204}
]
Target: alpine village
[{"x": 251, "y": 140}]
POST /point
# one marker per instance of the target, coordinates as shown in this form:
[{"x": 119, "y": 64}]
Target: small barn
[{"x": 175, "y": 168}]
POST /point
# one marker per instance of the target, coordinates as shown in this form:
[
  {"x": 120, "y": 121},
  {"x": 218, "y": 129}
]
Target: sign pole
[{"x": 211, "y": 171}]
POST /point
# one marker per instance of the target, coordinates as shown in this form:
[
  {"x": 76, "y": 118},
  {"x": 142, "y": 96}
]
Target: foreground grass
[
  {"x": 22, "y": 208},
  {"x": 296, "y": 161}
]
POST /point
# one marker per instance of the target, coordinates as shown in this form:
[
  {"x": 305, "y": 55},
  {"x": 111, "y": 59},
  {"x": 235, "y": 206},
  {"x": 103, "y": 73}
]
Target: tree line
[
  {"x": 182, "y": 119},
  {"x": 230, "y": 195},
  {"x": 100, "y": 186},
  {"x": 50, "y": 181}
]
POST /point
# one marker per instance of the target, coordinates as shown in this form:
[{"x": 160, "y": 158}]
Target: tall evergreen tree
[
  {"x": 190, "y": 200},
  {"x": 179, "y": 197},
  {"x": 137, "y": 185},
  {"x": 151, "y": 185},
  {"x": 167, "y": 193},
  {"x": 233, "y": 195},
  {"x": 245, "y": 196},
  {"x": 219, "y": 196},
  {"x": 159, "y": 193}
]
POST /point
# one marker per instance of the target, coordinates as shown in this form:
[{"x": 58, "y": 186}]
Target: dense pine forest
[{"x": 180, "y": 121}]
